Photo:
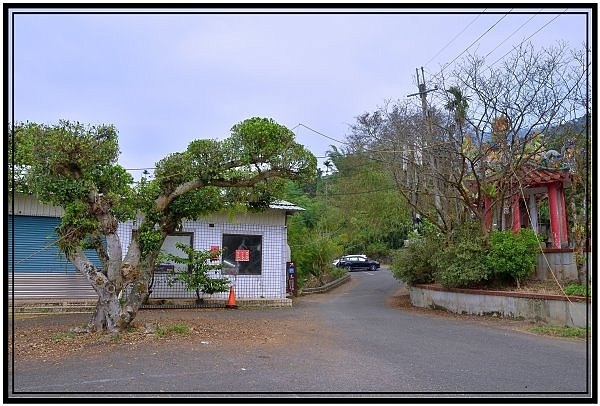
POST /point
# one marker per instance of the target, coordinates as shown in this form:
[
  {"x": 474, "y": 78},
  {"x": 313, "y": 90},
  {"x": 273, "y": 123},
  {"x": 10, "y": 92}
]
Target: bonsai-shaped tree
[{"x": 196, "y": 277}]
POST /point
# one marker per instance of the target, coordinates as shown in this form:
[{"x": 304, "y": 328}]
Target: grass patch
[
  {"x": 69, "y": 335},
  {"x": 560, "y": 331},
  {"x": 179, "y": 329},
  {"x": 578, "y": 290}
]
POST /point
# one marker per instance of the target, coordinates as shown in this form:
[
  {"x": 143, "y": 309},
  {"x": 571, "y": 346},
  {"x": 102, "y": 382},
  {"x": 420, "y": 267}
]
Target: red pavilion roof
[{"x": 538, "y": 176}]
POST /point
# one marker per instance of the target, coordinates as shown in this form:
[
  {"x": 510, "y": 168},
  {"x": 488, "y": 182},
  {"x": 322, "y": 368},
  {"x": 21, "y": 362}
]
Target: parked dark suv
[{"x": 357, "y": 263}]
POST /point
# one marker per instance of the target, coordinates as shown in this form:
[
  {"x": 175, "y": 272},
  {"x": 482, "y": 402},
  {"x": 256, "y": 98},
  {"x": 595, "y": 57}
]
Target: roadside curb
[{"x": 327, "y": 286}]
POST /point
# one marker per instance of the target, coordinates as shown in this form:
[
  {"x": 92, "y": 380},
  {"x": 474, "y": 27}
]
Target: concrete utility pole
[{"x": 418, "y": 152}]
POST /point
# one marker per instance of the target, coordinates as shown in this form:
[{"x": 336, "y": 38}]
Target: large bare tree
[{"x": 480, "y": 130}]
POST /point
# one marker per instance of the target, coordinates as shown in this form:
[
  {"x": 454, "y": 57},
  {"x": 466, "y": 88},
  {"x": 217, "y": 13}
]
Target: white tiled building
[{"x": 255, "y": 249}]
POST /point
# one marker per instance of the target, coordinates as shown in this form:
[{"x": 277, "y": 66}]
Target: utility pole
[{"x": 418, "y": 152}]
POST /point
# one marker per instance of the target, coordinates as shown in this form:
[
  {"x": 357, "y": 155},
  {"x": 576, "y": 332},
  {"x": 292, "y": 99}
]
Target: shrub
[
  {"x": 313, "y": 256},
  {"x": 461, "y": 262},
  {"x": 196, "y": 277},
  {"x": 377, "y": 250},
  {"x": 415, "y": 263},
  {"x": 513, "y": 254}
]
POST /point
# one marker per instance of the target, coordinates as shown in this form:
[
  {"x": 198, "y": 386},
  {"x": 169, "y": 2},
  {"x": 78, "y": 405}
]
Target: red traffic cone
[{"x": 231, "y": 302}]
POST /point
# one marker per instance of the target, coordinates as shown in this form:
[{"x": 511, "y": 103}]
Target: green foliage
[
  {"x": 76, "y": 224},
  {"x": 249, "y": 167},
  {"x": 377, "y": 249},
  {"x": 150, "y": 241},
  {"x": 362, "y": 206},
  {"x": 312, "y": 247},
  {"x": 513, "y": 255},
  {"x": 573, "y": 289},
  {"x": 68, "y": 160},
  {"x": 163, "y": 331},
  {"x": 74, "y": 166},
  {"x": 464, "y": 259},
  {"x": 313, "y": 253},
  {"x": 560, "y": 331},
  {"x": 461, "y": 260},
  {"x": 195, "y": 277},
  {"x": 415, "y": 263},
  {"x": 196, "y": 203}
]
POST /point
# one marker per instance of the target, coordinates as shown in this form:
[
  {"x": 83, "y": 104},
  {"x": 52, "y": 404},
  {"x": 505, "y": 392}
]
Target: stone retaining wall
[{"x": 574, "y": 311}]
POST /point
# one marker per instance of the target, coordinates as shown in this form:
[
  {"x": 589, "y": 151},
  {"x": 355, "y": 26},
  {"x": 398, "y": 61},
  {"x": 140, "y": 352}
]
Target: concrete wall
[
  {"x": 555, "y": 310},
  {"x": 560, "y": 261}
]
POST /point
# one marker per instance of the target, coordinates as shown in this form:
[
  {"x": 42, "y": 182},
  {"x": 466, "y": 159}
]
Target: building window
[
  {"x": 242, "y": 254},
  {"x": 169, "y": 247}
]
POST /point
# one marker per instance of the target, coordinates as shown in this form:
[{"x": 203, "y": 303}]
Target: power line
[
  {"x": 514, "y": 47},
  {"x": 513, "y": 33},
  {"x": 456, "y": 36},
  {"x": 317, "y": 132},
  {"x": 527, "y": 39},
  {"x": 474, "y": 42}
]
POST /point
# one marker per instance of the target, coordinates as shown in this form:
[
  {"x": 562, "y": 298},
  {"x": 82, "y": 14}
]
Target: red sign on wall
[
  {"x": 242, "y": 255},
  {"x": 214, "y": 252}
]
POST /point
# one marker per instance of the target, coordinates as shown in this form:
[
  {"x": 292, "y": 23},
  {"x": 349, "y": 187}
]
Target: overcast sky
[{"x": 164, "y": 79}]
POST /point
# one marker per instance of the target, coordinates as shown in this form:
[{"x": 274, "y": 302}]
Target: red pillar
[
  {"x": 555, "y": 220},
  {"x": 516, "y": 213},
  {"x": 564, "y": 236}
]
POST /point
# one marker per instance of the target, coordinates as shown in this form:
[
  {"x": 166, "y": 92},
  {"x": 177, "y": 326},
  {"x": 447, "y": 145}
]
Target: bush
[
  {"x": 513, "y": 255},
  {"x": 461, "y": 263},
  {"x": 377, "y": 250},
  {"x": 414, "y": 263},
  {"x": 313, "y": 256}
]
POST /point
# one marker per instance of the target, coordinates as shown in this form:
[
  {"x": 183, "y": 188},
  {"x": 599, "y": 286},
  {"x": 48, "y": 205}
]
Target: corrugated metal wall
[
  {"x": 27, "y": 205},
  {"x": 42, "y": 286}
]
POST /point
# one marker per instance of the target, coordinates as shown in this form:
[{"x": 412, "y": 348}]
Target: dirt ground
[{"x": 47, "y": 336}]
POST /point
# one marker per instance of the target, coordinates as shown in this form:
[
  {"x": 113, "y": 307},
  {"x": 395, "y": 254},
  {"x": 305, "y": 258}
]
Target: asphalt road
[{"x": 364, "y": 349}]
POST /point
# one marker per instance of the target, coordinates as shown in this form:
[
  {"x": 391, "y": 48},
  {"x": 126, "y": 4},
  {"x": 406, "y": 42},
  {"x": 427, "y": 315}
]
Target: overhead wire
[
  {"x": 456, "y": 36},
  {"x": 513, "y": 33},
  {"x": 474, "y": 42},
  {"x": 528, "y": 38},
  {"x": 434, "y": 75}
]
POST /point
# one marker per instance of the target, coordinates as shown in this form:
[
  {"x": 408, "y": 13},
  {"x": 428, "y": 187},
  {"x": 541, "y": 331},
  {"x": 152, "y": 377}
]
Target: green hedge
[{"x": 466, "y": 259}]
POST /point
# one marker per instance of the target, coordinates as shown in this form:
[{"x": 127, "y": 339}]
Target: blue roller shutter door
[{"x": 35, "y": 247}]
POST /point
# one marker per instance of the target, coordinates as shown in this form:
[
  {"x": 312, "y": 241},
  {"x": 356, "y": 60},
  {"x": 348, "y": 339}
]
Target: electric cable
[
  {"x": 456, "y": 36},
  {"x": 474, "y": 42},
  {"x": 528, "y": 38}
]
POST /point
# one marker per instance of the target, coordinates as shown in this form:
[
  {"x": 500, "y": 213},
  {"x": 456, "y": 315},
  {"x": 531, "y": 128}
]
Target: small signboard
[
  {"x": 214, "y": 252},
  {"x": 291, "y": 286},
  {"x": 242, "y": 255}
]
